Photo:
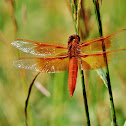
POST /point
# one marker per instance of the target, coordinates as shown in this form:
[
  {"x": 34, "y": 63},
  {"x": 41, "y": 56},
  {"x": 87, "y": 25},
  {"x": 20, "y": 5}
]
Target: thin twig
[{"x": 27, "y": 99}]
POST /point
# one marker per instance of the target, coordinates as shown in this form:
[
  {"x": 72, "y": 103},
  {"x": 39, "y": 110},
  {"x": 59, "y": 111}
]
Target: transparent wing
[
  {"x": 43, "y": 64},
  {"x": 96, "y": 60},
  {"x": 39, "y": 48},
  {"x": 112, "y": 42}
]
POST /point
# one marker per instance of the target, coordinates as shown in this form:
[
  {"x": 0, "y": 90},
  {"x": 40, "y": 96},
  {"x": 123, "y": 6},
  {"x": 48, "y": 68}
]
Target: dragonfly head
[{"x": 74, "y": 37}]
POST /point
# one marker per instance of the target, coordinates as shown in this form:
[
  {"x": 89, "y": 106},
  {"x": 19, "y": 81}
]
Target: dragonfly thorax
[{"x": 73, "y": 46}]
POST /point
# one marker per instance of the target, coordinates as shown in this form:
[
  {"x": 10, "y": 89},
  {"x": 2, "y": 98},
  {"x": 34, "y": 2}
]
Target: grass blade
[{"x": 114, "y": 123}]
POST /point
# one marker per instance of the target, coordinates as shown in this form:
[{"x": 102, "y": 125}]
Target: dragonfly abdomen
[{"x": 73, "y": 68}]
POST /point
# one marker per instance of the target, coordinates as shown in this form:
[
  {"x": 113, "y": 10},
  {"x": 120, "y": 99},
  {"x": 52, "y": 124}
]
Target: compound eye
[
  {"x": 78, "y": 37},
  {"x": 71, "y": 38}
]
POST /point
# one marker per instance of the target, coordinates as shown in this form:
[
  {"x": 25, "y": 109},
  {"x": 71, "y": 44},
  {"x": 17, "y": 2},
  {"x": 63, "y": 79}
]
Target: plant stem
[
  {"x": 75, "y": 7},
  {"x": 28, "y": 96},
  {"x": 74, "y": 14},
  {"x": 113, "y": 114},
  {"x": 85, "y": 99}
]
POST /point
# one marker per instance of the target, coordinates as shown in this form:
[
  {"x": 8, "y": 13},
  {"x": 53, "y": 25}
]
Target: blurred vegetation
[{"x": 51, "y": 21}]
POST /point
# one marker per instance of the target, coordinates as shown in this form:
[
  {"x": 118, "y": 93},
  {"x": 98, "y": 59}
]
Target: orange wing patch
[
  {"x": 113, "y": 41},
  {"x": 43, "y": 64},
  {"x": 96, "y": 60},
  {"x": 96, "y": 45},
  {"x": 39, "y": 48}
]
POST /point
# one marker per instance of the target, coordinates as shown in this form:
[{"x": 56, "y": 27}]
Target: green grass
[{"x": 52, "y": 22}]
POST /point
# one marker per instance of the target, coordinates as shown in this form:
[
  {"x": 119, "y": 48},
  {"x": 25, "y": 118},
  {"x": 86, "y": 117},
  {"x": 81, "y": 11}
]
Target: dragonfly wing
[
  {"x": 39, "y": 48},
  {"x": 112, "y": 42},
  {"x": 96, "y": 60},
  {"x": 43, "y": 64}
]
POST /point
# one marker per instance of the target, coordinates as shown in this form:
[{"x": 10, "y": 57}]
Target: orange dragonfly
[{"x": 68, "y": 57}]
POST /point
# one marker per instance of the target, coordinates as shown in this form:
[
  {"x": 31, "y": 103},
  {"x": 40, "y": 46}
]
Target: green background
[{"x": 51, "y": 21}]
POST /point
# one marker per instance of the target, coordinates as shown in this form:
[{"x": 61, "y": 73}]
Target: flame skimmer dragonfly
[{"x": 67, "y": 57}]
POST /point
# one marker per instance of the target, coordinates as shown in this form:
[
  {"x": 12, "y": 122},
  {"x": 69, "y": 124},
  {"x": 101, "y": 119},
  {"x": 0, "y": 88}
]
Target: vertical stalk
[
  {"x": 113, "y": 114},
  {"x": 75, "y": 7},
  {"x": 85, "y": 99}
]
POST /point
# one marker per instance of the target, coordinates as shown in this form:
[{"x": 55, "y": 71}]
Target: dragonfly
[{"x": 86, "y": 55}]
